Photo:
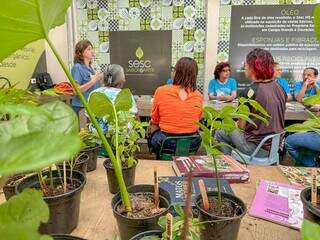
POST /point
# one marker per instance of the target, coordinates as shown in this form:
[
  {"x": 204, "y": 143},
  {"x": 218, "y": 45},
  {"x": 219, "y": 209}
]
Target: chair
[
  {"x": 273, "y": 157},
  {"x": 183, "y": 147}
]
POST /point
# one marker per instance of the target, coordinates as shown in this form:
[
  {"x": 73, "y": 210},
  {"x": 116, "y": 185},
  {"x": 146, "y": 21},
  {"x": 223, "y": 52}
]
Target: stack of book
[{"x": 203, "y": 166}]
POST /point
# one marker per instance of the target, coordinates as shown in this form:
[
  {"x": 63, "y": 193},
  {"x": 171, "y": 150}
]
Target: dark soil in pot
[
  {"x": 64, "y": 207},
  {"x": 311, "y": 212},
  {"x": 145, "y": 235},
  {"x": 9, "y": 187},
  {"x": 81, "y": 165},
  {"x": 65, "y": 237},
  {"x": 92, "y": 152},
  {"x": 129, "y": 225},
  {"x": 223, "y": 225},
  {"x": 128, "y": 173}
]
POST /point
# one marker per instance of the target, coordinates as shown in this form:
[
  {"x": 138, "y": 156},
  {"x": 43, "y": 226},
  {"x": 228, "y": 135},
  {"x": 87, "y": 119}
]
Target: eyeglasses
[{"x": 226, "y": 70}]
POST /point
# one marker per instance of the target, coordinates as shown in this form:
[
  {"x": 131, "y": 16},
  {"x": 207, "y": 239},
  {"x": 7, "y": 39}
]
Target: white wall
[{"x": 212, "y": 41}]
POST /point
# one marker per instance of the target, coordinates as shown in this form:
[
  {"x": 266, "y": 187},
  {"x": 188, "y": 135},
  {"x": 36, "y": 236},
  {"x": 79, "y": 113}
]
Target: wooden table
[
  {"x": 97, "y": 221},
  {"x": 63, "y": 98},
  {"x": 293, "y": 113}
]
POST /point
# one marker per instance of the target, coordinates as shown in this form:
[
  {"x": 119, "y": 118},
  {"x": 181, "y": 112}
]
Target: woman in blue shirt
[
  {"x": 222, "y": 87},
  {"x": 83, "y": 73}
]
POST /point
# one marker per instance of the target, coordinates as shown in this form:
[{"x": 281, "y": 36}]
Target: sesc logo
[{"x": 140, "y": 65}]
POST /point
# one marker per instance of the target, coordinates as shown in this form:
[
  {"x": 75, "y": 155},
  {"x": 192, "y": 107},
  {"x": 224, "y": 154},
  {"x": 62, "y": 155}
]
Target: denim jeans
[
  {"x": 308, "y": 140},
  {"x": 158, "y": 137},
  {"x": 237, "y": 140},
  {"x": 77, "y": 110}
]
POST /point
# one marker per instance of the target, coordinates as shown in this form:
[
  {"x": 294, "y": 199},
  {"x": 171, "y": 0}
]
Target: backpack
[{"x": 44, "y": 81}]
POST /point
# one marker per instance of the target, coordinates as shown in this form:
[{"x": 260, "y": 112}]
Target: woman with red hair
[
  {"x": 222, "y": 87},
  {"x": 259, "y": 67}
]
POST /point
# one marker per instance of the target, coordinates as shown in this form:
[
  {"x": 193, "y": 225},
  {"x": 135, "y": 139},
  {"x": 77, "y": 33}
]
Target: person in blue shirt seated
[
  {"x": 282, "y": 81},
  {"x": 83, "y": 73},
  {"x": 222, "y": 87},
  {"x": 309, "y": 86}
]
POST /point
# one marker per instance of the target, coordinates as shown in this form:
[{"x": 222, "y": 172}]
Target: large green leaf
[
  {"x": 256, "y": 105},
  {"x": 316, "y": 20},
  {"x": 310, "y": 230},
  {"x": 61, "y": 119},
  {"x": 101, "y": 105},
  {"x": 25, "y": 208},
  {"x": 24, "y": 21},
  {"x": 20, "y": 217},
  {"x": 64, "y": 119},
  {"x": 123, "y": 100},
  {"x": 36, "y": 150},
  {"x": 313, "y": 99}
]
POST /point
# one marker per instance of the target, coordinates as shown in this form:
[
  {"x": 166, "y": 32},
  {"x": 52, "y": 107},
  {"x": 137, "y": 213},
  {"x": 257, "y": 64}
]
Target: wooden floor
[{"x": 97, "y": 222}]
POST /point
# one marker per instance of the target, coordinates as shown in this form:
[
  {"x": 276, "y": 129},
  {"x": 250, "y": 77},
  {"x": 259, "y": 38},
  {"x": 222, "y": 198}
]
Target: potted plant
[
  {"x": 91, "y": 144},
  {"x": 124, "y": 143},
  {"x": 43, "y": 19},
  {"x": 28, "y": 144},
  {"x": 311, "y": 212},
  {"x": 223, "y": 212},
  {"x": 61, "y": 189}
]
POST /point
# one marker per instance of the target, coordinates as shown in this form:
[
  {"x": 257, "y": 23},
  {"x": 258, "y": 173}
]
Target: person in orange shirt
[{"x": 177, "y": 107}]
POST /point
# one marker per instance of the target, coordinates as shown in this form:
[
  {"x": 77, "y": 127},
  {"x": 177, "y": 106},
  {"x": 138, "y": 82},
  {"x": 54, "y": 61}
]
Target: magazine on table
[
  {"x": 176, "y": 186},
  {"x": 202, "y": 166},
  {"x": 279, "y": 203}
]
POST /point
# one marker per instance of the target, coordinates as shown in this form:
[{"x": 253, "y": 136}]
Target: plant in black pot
[
  {"x": 91, "y": 143},
  {"x": 124, "y": 142},
  {"x": 220, "y": 212},
  {"x": 61, "y": 188}
]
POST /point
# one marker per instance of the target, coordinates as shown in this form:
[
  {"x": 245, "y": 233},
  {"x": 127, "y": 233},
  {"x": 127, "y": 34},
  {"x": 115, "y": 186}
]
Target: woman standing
[
  {"x": 83, "y": 73},
  {"x": 222, "y": 87},
  {"x": 177, "y": 107}
]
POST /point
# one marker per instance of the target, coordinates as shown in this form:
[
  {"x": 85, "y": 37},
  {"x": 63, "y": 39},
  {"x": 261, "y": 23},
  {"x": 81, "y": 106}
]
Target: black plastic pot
[
  {"x": 128, "y": 176},
  {"x": 129, "y": 227},
  {"x": 9, "y": 189},
  {"x": 155, "y": 233},
  {"x": 81, "y": 165},
  {"x": 64, "y": 208},
  {"x": 220, "y": 228},
  {"x": 65, "y": 237},
  {"x": 92, "y": 152},
  {"x": 311, "y": 212}
]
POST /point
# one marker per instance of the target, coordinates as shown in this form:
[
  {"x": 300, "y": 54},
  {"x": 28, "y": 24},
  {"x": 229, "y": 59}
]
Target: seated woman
[
  {"x": 258, "y": 68},
  {"x": 177, "y": 107},
  {"x": 222, "y": 87},
  {"x": 297, "y": 142},
  {"x": 309, "y": 86},
  {"x": 113, "y": 81}
]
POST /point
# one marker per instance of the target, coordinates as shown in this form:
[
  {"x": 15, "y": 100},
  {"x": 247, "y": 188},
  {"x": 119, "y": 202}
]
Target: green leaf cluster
[
  {"x": 312, "y": 124},
  {"x": 194, "y": 226},
  {"x": 20, "y": 217}
]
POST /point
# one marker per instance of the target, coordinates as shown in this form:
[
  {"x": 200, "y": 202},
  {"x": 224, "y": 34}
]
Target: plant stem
[
  {"x": 117, "y": 135},
  {"x": 51, "y": 177},
  {"x": 117, "y": 168},
  {"x": 215, "y": 169},
  {"x": 187, "y": 208}
]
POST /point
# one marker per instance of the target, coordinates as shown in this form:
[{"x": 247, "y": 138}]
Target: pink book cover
[
  {"x": 279, "y": 203},
  {"x": 202, "y": 166}
]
